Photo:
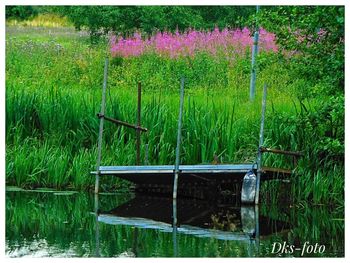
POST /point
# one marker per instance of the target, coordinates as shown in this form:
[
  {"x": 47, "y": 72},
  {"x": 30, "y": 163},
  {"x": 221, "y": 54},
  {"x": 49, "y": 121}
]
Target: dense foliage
[
  {"x": 20, "y": 12},
  {"x": 316, "y": 33},
  {"x": 127, "y": 19}
]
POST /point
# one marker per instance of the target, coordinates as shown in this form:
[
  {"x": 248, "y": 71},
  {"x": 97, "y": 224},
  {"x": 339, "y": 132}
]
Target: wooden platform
[
  {"x": 195, "y": 181},
  {"x": 163, "y": 174}
]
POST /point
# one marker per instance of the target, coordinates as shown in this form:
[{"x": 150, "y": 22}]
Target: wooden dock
[
  {"x": 164, "y": 174},
  {"x": 198, "y": 181}
]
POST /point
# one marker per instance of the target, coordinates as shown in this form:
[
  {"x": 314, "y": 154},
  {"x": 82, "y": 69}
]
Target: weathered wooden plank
[
  {"x": 206, "y": 168},
  {"x": 278, "y": 151}
]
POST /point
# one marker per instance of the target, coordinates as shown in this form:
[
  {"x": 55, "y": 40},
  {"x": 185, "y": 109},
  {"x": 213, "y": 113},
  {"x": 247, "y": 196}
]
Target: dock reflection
[{"x": 191, "y": 217}]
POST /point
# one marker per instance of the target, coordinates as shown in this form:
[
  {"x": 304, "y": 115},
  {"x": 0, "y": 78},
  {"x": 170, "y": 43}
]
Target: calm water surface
[{"x": 58, "y": 224}]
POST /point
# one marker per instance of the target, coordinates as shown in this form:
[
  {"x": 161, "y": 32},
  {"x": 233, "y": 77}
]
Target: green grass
[{"x": 53, "y": 92}]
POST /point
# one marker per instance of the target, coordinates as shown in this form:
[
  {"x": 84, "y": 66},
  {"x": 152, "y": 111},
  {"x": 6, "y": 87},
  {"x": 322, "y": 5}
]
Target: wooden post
[
  {"x": 254, "y": 54},
  {"x": 261, "y": 143},
  {"x": 99, "y": 149},
  {"x": 138, "y": 132},
  {"x": 177, "y": 165},
  {"x": 178, "y": 143}
]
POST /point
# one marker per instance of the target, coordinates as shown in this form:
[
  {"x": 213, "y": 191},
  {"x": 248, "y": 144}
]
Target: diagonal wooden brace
[{"x": 123, "y": 123}]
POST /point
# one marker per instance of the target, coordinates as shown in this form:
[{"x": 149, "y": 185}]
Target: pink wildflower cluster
[{"x": 228, "y": 42}]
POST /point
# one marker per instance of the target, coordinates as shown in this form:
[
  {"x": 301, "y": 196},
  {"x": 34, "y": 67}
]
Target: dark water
[{"x": 61, "y": 225}]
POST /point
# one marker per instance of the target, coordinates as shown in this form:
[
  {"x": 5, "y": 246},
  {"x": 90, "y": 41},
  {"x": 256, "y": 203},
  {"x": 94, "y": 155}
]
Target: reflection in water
[
  {"x": 57, "y": 225},
  {"x": 175, "y": 245},
  {"x": 135, "y": 241},
  {"x": 97, "y": 229},
  {"x": 193, "y": 217}
]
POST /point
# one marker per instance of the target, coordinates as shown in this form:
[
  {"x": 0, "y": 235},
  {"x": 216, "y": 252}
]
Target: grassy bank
[{"x": 53, "y": 92}]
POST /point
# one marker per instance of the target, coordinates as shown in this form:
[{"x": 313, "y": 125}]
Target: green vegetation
[
  {"x": 53, "y": 92},
  {"x": 126, "y": 19},
  {"x": 20, "y": 12},
  {"x": 41, "y": 20}
]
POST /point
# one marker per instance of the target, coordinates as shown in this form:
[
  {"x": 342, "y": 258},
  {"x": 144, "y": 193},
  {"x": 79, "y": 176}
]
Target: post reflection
[
  {"x": 175, "y": 244},
  {"x": 135, "y": 242},
  {"x": 97, "y": 230}
]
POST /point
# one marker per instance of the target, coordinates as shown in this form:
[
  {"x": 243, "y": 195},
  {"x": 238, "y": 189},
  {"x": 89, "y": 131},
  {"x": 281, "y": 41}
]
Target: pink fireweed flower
[
  {"x": 130, "y": 47},
  {"x": 228, "y": 42},
  {"x": 267, "y": 40}
]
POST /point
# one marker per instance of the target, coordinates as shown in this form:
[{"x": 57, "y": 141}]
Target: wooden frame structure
[{"x": 164, "y": 176}]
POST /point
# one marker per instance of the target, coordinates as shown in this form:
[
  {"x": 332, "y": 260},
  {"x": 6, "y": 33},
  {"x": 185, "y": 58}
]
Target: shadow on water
[{"x": 124, "y": 225}]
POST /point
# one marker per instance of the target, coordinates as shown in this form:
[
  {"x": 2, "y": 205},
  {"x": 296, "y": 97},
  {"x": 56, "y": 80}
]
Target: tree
[
  {"x": 20, "y": 12},
  {"x": 148, "y": 19},
  {"x": 317, "y": 34}
]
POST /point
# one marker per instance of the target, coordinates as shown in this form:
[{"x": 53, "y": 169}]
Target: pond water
[{"x": 60, "y": 224}]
